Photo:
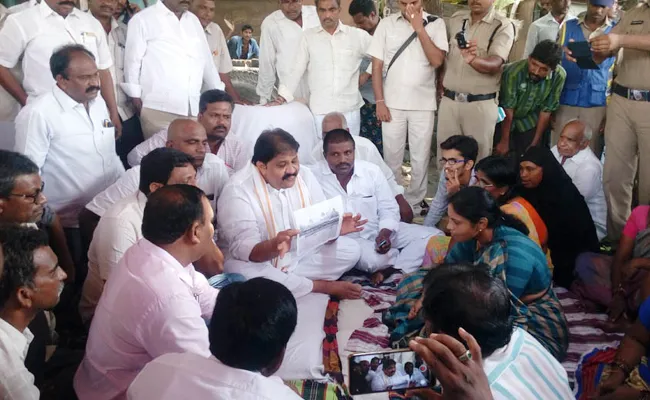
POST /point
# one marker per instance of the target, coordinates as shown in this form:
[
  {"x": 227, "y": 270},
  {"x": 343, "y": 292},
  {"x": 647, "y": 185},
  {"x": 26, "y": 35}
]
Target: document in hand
[{"x": 318, "y": 224}]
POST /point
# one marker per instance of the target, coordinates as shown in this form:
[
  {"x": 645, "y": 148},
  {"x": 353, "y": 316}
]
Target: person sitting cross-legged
[
  {"x": 251, "y": 325},
  {"x": 385, "y": 242}
]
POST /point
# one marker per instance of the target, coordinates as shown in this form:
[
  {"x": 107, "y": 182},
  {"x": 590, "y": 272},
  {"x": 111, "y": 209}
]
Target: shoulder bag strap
[{"x": 408, "y": 41}]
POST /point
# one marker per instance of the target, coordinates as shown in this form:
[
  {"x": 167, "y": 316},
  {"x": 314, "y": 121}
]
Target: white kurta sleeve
[
  {"x": 32, "y": 135},
  {"x": 267, "y": 71},
  {"x": 237, "y": 222},
  {"x": 13, "y": 42},
  {"x": 135, "y": 49},
  {"x": 289, "y": 86},
  {"x": 128, "y": 184}
]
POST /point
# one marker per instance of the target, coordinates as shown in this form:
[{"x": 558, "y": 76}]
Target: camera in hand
[{"x": 462, "y": 40}]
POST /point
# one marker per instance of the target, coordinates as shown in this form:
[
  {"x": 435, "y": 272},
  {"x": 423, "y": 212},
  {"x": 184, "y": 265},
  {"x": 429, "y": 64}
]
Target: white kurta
[
  {"x": 369, "y": 194},
  {"x": 245, "y": 205},
  {"x": 279, "y": 44}
]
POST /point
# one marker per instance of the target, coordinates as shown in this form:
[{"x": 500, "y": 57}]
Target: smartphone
[
  {"x": 581, "y": 51},
  {"x": 392, "y": 371}
]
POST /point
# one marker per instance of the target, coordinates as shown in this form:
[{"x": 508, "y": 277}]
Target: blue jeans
[{"x": 222, "y": 280}]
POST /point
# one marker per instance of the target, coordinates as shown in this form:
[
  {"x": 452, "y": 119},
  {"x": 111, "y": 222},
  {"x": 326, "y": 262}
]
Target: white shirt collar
[
  {"x": 65, "y": 101},
  {"x": 18, "y": 340},
  {"x": 46, "y": 11},
  {"x": 341, "y": 27},
  {"x": 578, "y": 158}
]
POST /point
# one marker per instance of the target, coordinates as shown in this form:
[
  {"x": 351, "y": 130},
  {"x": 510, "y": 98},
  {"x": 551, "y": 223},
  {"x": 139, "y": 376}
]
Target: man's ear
[
  {"x": 469, "y": 165},
  {"x": 275, "y": 365},
  {"x": 195, "y": 232},
  {"x": 153, "y": 186},
  {"x": 24, "y": 297}
]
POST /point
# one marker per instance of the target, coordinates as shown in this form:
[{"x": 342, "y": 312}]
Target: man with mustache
[
  {"x": 166, "y": 62},
  {"x": 215, "y": 114},
  {"x": 255, "y": 218},
  {"x": 530, "y": 94},
  {"x": 330, "y": 55},
  {"x": 470, "y": 77},
  {"x": 385, "y": 242},
  {"x": 31, "y": 282},
  {"x": 280, "y": 39},
  {"x": 103, "y": 11},
  {"x": 34, "y": 35},
  {"x": 204, "y": 10},
  {"x": 69, "y": 135}
]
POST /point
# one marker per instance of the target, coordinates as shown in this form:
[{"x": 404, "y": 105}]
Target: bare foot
[
  {"x": 345, "y": 290},
  {"x": 377, "y": 278},
  {"x": 620, "y": 326}
]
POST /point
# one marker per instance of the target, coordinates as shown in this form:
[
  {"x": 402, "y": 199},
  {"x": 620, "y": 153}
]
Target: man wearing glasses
[{"x": 458, "y": 156}]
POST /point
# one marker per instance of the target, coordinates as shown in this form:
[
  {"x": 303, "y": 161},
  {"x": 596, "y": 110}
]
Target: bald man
[
  {"x": 365, "y": 150},
  {"x": 187, "y": 136},
  {"x": 581, "y": 164}
]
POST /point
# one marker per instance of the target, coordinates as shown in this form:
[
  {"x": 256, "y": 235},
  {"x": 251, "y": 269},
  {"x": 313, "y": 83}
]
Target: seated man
[
  {"x": 255, "y": 216},
  {"x": 415, "y": 376},
  {"x": 244, "y": 355},
  {"x": 467, "y": 298},
  {"x": 457, "y": 164},
  {"x": 215, "y": 114},
  {"x": 121, "y": 226},
  {"x": 389, "y": 378},
  {"x": 365, "y": 150},
  {"x": 581, "y": 164},
  {"x": 30, "y": 282},
  {"x": 530, "y": 93},
  {"x": 385, "y": 242},
  {"x": 155, "y": 302}
]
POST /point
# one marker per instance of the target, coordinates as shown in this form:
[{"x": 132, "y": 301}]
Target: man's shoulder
[
  {"x": 44, "y": 105},
  {"x": 124, "y": 208},
  {"x": 211, "y": 161},
  {"x": 369, "y": 169},
  {"x": 460, "y": 14},
  {"x": 215, "y": 29},
  {"x": 22, "y": 15}
]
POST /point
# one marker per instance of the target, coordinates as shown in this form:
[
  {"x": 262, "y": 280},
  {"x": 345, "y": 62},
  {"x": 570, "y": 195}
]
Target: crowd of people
[{"x": 154, "y": 248}]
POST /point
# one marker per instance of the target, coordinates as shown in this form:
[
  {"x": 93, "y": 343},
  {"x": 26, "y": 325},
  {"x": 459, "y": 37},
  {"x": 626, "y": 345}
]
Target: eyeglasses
[
  {"x": 450, "y": 161},
  {"x": 33, "y": 197},
  {"x": 483, "y": 184}
]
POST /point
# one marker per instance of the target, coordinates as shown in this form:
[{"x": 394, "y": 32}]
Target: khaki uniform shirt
[
  {"x": 460, "y": 76},
  {"x": 634, "y": 67},
  {"x": 218, "y": 47}
]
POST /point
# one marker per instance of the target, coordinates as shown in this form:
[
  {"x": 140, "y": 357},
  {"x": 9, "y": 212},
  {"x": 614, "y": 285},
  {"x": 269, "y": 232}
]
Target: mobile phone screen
[{"x": 393, "y": 371}]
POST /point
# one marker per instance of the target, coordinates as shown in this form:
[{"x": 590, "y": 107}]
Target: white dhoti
[
  {"x": 327, "y": 263},
  {"x": 406, "y": 253}
]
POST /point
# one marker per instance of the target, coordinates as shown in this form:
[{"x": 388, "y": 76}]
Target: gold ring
[{"x": 466, "y": 356}]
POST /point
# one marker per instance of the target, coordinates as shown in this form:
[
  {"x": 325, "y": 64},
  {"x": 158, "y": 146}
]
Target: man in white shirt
[
  {"x": 121, "y": 226},
  {"x": 187, "y": 136},
  {"x": 155, "y": 302},
  {"x": 204, "y": 11},
  {"x": 36, "y": 33},
  {"x": 385, "y": 242},
  {"x": 365, "y": 150},
  {"x": 406, "y": 93},
  {"x": 32, "y": 281},
  {"x": 457, "y": 159},
  {"x": 467, "y": 298},
  {"x": 330, "y": 55},
  {"x": 215, "y": 114},
  {"x": 244, "y": 355},
  {"x": 167, "y": 60},
  {"x": 103, "y": 11},
  {"x": 389, "y": 378},
  {"x": 584, "y": 168},
  {"x": 255, "y": 218},
  {"x": 282, "y": 32},
  {"x": 69, "y": 135},
  {"x": 548, "y": 26}
]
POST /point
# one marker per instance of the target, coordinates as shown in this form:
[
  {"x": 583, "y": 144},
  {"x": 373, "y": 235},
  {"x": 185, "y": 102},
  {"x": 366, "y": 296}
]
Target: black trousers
[{"x": 131, "y": 137}]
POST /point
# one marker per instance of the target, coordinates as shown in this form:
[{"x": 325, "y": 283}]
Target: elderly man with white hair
[
  {"x": 584, "y": 168},
  {"x": 365, "y": 150}
]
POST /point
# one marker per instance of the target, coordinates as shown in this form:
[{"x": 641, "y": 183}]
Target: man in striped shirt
[
  {"x": 467, "y": 297},
  {"x": 530, "y": 93}
]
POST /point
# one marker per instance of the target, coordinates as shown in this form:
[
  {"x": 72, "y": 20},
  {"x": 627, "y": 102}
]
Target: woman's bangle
[{"x": 380, "y": 101}]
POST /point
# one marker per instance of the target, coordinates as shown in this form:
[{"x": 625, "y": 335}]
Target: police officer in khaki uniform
[
  {"x": 472, "y": 75},
  {"x": 627, "y": 133}
]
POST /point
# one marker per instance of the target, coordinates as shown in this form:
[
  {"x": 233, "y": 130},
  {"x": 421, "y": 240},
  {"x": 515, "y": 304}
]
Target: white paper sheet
[{"x": 318, "y": 224}]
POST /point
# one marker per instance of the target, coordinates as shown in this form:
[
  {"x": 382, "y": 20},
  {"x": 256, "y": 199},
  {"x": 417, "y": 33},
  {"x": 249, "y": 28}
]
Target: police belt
[
  {"x": 468, "y": 98},
  {"x": 631, "y": 94}
]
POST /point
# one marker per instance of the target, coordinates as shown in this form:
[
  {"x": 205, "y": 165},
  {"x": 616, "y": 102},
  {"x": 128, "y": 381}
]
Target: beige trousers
[
  {"x": 592, "y": 117},
  {"x": 154, "y": 121},
  {"x": 476, "y": 119},
  {"x": 627, "y": 138},
  {"x": 417, "y": 127}
]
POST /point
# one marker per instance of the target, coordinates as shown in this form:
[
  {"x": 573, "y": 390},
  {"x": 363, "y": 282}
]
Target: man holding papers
[
  {"x": 255, "y": 214},
  {"x": 385, "y": 242}
]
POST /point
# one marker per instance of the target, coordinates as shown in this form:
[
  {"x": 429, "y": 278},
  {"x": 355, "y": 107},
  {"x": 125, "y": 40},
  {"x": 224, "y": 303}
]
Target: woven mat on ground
[
  {"x": 333, "y": 390},
  {"x": 584, "y": 336},
  {"x": 373, "y": 335}
]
